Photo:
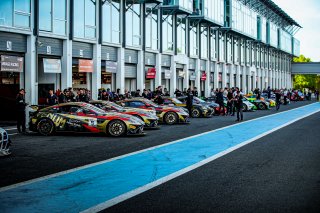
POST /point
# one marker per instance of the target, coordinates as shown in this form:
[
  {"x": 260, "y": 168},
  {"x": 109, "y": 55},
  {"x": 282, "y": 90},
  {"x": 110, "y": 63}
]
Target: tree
[
  {"x": 301, "y": 59},
  {"x": 305, "y": 81}
]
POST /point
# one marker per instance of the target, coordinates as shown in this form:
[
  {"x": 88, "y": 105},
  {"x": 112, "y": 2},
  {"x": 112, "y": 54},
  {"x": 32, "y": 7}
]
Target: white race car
[{"x": 4, "y": 143}]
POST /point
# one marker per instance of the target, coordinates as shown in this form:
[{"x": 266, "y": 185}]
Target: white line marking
[
  {"x": 14, "y": 134},
  {"x": 132, "y": 153},
  {"x": 165, "y": 179},
  {"x": 10, "y": 129}
]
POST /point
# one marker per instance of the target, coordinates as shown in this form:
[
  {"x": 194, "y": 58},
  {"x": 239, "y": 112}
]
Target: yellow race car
[{"x": 83, "y": 117}]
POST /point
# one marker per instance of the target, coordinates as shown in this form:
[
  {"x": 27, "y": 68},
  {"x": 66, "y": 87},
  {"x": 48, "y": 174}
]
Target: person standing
[
  {"x": 220, "y": 101},
  {"x": 230, "y": 102},
  {"x": 189, "y": 101},
  {"x": 269, "y": 92},
  {"x": 21, "y": 111},
  {"x": 238, "y": 104},
  {"x": 52, "y": 99},
  {"x": 278, "y": 99},
  {"x": 82, "y": 97}
]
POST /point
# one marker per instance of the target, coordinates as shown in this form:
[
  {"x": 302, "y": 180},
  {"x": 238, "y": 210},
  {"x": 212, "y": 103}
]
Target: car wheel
[
  {"x": 171, "y": 118},
  {"x": 244, "y": 107},
  {"x": 45, "y": 127},
  {"x": 116, "y": 128},
  {"x": 195, "y": 113},
  {"x": 262, "y": 106}
]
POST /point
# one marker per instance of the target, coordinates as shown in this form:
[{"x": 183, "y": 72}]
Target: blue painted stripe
[{"x": 88, "y": 187}]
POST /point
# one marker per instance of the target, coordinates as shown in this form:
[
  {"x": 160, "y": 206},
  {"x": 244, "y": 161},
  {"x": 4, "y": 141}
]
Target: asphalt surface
[
  {"x": 36, "y": 156},
  {"x": 277, "y": 173}
]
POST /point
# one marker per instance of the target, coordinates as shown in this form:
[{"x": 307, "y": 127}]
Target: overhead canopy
[{"x": 280, "y": 12}]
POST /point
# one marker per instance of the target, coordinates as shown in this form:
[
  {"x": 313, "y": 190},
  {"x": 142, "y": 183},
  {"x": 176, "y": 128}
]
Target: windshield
[
  {"x": 94, "y": 109},
  {"x": 199, "y": 100},
  {"x": 116, "y": 106},
  {"x": 176, "y": 101}
]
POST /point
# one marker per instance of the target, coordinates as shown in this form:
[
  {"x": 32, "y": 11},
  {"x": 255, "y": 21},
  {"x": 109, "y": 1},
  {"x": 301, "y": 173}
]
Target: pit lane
[{"x": 35, "y": 156}]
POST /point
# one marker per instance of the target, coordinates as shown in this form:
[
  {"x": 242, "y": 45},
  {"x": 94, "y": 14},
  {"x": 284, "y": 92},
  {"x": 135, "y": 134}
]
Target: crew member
[
  {"x": 189, "y": 101},
  {"x": 21, "y": 111},
  {"x": 238, "y": 104}
]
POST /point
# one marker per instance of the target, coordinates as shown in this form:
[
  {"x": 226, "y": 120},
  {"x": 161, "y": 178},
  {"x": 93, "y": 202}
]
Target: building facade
[{"x": 142, "y": 44}]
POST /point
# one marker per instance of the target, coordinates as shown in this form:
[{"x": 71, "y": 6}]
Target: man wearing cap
[{"x": 21, "y": 111}]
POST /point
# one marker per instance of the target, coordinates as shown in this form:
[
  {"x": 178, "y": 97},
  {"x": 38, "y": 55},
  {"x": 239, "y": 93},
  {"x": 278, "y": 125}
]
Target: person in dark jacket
[
  {"x": 178, "y": 93},
  {"x": 52, "y": 99},
  {"x": 62, "y": 96},
  {"x": 219, "y": 100},
  {"x": 189, "y": 101},
  {"x": 82, "y": 97},
  {"x": 195, "y": 92},
  {"x": 21, "y": 111},
  {"x": 238, "y": 104},
  {"x": 230, "y": 102}
]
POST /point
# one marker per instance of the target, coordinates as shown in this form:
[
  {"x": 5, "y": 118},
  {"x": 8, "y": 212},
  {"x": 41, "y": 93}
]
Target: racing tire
[
  {"x": 116, "y": 128},
  {"x": 261, "y": 106},
  {"x": 196, "y": 113},
  {"x": 171, "y": 118},
  {"x": 244, "y": 107},
  {"x": 46, "y": 127}
]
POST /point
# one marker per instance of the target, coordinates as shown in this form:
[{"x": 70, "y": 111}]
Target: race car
[
  {"x": 198, "y": 110},
  {"x": 253, "y": 98},
  {"x": 83, "y": 117},
  {"x": 166, "y": 114},
  {"x": 260, "y": 104},
  {"x": 148, "y": 116},
  {"x": 5, "y": 143}
]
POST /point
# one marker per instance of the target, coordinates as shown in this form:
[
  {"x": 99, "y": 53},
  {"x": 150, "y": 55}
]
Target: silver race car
[{"x": 4, "y": 143}]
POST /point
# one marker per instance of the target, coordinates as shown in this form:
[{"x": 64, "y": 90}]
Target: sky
[{"x": 307, "y": 14}]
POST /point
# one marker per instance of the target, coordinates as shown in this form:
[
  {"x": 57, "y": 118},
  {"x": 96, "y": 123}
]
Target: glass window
[
  {"x": 151, "y": 27},
  {"x": 181, "y": 35},
  {"x": 133, "y": 25},
  {"x": 15, "y": 13},
  {"x": 85, "y": 19},
  {"x": 193, "y": 41},
  {"x": 204, "y": 42},
  {"x": 229, "y": 48},
  {"x": 213, "y": 44},
  {"x": 45, "y": 15},
  {"x": 221, "y": 47},
  {"x": 236, "y": 50},
  {"x": 111, "y": 21},
  {"x": 214, "y": 9},
  {"x": 167, "y": 34},
  {"x": 6, "y": 10},
  {"x": 52, "y": 16}
]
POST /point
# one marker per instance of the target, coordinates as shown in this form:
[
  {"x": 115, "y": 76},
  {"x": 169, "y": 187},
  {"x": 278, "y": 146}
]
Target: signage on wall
[
  {"x": 48, "y": 49},
  {"x": 81, "y": 53},
  {"x": 108, "y": 56},
  {"x": 181, "y": 74},
  {"x": 203, "y": 76},
  {"x": 51, "y": 65},
  {"x": 9, "y": 45},
  {"x": 129, "y": 59},
  {"x": 85, "y": 65},
  {"x": 151, "y": 73},
  {"x": 11, "y": 63},
  {"x": 167, "y": 74},
  {"x": 111, "y": 66},
  {"x": 192, "y": 76}
]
